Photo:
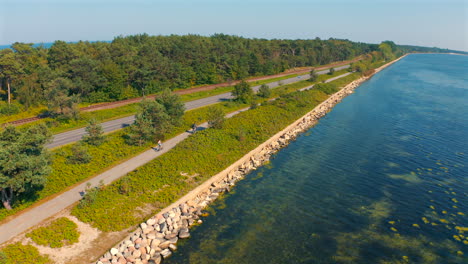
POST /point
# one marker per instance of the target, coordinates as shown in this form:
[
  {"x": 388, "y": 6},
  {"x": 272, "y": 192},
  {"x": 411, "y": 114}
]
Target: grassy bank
[
  {"x": 115, "y": 150},
  {"x": 155, "y": 185}
]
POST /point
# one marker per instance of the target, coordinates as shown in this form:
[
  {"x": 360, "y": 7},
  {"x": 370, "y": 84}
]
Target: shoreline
[{"x": 156, "y": 238}]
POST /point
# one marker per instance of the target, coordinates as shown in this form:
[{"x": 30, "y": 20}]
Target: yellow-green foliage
[
  {"x": 191, "y": 162},
  {"x": 113, "y": 151},
  {"x": 57, "y": 234},
  {"x": 20, "y": 254}
]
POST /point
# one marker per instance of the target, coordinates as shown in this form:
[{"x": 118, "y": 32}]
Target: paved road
[
  {"x": 36, "y": 215},
  {"x": 109, "y": 126}
]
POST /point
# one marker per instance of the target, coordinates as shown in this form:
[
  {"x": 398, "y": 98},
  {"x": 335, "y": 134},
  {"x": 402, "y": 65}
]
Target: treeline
[
  {"x": 142, "y": 64},
  {"x": 410, "y": 48}
]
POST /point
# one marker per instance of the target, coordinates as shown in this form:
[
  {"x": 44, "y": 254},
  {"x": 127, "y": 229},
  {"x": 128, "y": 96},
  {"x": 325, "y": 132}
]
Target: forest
[{"x": 131, "y": 66}]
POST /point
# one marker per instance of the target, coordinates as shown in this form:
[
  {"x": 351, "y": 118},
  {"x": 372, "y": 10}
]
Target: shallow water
[{"x": 381, "y": 179}]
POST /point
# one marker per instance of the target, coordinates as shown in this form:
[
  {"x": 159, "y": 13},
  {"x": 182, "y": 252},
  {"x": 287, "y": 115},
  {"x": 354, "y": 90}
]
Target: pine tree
[
  {"x": 24, "y": 161},
  {"x": 95, "y": 134}
]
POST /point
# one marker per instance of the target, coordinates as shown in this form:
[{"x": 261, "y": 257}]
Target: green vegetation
[
  {"x": 95, "y": 134},
  {"x": 264, "y": 91},
  {"x": 163, "y": 180},
  {"x": 203, "y": 94},
  {"x": 21, "y": 254},
  {"x": 313, "y": 76},
  {"x": 79, "y": 154},
  {"x": 59, "y": 233},
  {"x": 112, "y": 152},
  {"x": 115, "y": 150},
  {"x": 260, "y": 82},
  {"x": 216, "y": 117},
  {"x": 156, "y": 118},
  {"x": 136, "y": 65},
  {"x": 24, "y": 162},
  {"x": 243, "y": 93}
]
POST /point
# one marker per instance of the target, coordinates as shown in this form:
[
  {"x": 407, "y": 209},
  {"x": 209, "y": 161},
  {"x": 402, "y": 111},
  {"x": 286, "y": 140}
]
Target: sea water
[{"x": 381, "y": 179}]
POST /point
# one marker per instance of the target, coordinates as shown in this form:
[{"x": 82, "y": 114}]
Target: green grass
[
  {"x": 271, "y": 80},
  {"x": 112, "y": 152},
  {"x": 57, "y": 234},
  {"x": 168, "y": 177},
  {"x": 204, "y": 94},
  {"x": 115, "y": 151},
  {"x": 31, "y": 112},
  {"x": 22, "y": 254}
]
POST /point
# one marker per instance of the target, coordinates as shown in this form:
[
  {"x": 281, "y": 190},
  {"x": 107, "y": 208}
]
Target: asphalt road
[
  {"x": 109, "y": 126},
  {"x": 36, "y": 215}
]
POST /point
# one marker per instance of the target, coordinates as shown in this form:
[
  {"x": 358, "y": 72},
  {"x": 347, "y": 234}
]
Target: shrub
[
  {"x": 22, "y": 254},
  {"x": 216, "y": 117},
  {"x": 9, "y": 109},
  {"x": 57, "y": 234},
  {"x": 264, "y": 91},
  {"x": 242, "y": 92},
  {"x": 79, "y": 154}
]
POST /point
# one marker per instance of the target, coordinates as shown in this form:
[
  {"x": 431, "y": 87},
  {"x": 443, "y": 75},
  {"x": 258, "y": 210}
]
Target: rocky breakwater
[{"x": 156, "y": 238}]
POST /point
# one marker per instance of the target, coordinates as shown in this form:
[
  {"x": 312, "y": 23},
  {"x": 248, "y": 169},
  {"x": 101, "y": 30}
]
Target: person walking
[
  {"x": 159, "y": 145},
  {"x": 194, "y": 128}
]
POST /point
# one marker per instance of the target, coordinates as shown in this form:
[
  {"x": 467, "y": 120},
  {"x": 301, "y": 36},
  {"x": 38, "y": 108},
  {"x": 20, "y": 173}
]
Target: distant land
[{"x": 410, "y": 47}]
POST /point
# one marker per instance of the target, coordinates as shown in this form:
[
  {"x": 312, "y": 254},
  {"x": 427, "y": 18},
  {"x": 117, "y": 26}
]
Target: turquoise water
[{"x": 381, "y": 179}]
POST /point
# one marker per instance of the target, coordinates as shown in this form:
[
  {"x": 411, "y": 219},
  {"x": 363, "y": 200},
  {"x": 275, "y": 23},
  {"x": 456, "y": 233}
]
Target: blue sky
[{"x": 441, "y": 23}]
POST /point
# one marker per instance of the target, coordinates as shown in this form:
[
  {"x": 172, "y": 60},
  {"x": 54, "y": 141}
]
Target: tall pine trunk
[
  {"x": 9, "y": 92},
  {"x": 6, "y": 199}
]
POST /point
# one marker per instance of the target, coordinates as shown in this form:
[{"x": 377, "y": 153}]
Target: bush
[
  {"x": 242, "y": 92},
  {"x": 264, "y": 91},
  {"x": 216, "y": 117},
  {"x": 6, "y": 109},
  {"x": 57, "y": 234},
  {"x": 79, "y": 154},
  {"x": 21, "y": 254}
]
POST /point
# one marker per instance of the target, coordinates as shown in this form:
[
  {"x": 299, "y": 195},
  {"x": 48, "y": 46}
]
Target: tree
[
  {"x": 141, "y": 131},
  {"x": 79, "y": 154},
  {"x": 9, "y": 69},
  {"x": 264, "y": 91},
  {"x": 242, "y": 92},
  {"x": 331, "y": 71},
  {"x": 151, "y": 122},
  {"x": 313, "y": 76},
  {"x": 216, "y": 117},
  {"x": 24, "y": 161},
  {"x": 58, "y": 100},
  {"x": 173, "y": 105},
  {"x": 95, "y": 134}
]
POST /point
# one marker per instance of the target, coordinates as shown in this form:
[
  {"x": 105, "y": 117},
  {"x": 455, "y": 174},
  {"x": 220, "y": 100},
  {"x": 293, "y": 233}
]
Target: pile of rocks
[{"x": 156, "y": 238}]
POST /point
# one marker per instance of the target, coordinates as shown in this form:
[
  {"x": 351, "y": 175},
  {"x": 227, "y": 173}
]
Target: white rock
[
  {"x": 151, "y": 221},
  {"x": 114, "y": 251}
]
